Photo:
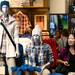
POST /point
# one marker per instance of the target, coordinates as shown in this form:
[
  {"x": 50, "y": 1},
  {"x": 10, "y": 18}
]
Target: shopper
[{"x": 67, "y": 56}]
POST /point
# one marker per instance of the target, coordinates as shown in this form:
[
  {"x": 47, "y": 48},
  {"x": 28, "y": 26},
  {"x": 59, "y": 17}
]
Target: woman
[{"x": 67, "y": 55}]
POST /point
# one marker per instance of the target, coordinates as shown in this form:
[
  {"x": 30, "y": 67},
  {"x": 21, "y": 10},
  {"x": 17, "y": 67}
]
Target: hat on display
[
  {"x": 36, "y": 30},
  {"x": 4, "y": 3}
]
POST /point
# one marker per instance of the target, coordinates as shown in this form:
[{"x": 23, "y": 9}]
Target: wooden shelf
[{"x": 30, "y": 7}]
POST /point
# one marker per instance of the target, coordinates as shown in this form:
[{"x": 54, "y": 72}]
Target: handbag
[
  {"x": 62, "y": 69},
  {"x": 8, "y": 35}
]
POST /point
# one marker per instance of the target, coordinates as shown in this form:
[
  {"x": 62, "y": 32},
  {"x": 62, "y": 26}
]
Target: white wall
[{"x": 57, "y": 6}]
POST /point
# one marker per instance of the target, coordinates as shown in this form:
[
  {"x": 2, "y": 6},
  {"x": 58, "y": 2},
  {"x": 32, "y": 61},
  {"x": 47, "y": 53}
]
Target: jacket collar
[{"x": 11, "y": 19}]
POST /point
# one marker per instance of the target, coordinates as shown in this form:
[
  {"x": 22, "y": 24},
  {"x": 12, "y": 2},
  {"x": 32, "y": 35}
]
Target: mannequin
[
  {"x": 7, "y": 49},
  {"x": 36, "y": 52}
]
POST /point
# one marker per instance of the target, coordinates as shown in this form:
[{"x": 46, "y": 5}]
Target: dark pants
[{"x": 56, "y": 74}]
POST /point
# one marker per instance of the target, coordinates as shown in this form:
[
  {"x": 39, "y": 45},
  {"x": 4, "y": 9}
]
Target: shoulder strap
[{"x": 8, "y": 35}]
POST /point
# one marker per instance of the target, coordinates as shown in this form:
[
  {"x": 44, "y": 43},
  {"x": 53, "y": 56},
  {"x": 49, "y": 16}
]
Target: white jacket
[{"x": 13, "y": 29}]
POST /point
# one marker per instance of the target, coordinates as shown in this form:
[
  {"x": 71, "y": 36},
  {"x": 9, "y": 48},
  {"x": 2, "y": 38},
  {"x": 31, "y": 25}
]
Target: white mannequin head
[
  {"x": 5, "y": 10},
  {"x": 36, "y": 35},
  {"x": 5, "y": 7}
]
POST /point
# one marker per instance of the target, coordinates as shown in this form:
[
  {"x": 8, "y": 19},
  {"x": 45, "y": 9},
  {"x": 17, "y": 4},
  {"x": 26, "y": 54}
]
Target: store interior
[
  {"x": 54, "y": 18},
  {"x": 43, "y": 12}
]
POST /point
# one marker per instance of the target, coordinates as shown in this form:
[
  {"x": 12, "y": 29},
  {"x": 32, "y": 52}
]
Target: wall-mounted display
[
  {"x": 72, "y": 24},
  {"x": 38, "y": 3},
  {"x": 26, "y": 3},
  {"x": 58, "y": 22},
  {"x": 19, "y": 3},
  {"x": 23, "y": 22},
  {"x": 41, "y": 20}
]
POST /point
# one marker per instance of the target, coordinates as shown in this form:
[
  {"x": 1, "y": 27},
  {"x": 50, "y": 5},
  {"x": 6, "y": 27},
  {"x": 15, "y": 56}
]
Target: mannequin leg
[
  {"x": 45, "y": 72},
  {"x": 10, "y": 64}
]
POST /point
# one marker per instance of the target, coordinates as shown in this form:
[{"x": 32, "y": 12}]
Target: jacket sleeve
[
  {"x": 16, "y": 36},
  {"x": 63, "y": 54},
  {"x": 50, "y": 55}
]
